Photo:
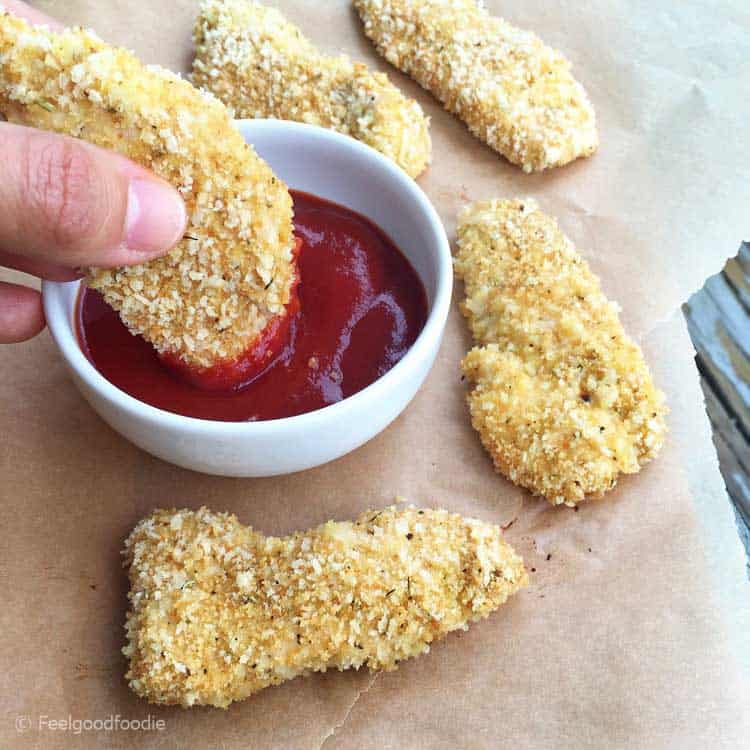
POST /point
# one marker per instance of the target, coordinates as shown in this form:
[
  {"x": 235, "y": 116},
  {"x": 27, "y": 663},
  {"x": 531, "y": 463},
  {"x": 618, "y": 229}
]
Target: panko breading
[
  {"x": 561, "y": 397},
  {"x": 219, "y": 611},
  {"x": 514, "y": 93},
  {"x": 219, "y": 287},
  {"x": 261, "y": 65}
]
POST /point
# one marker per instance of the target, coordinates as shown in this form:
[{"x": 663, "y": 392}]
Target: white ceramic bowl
[{"x": 344, "y": 171}]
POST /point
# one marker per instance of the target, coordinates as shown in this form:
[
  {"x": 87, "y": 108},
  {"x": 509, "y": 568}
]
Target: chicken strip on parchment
[
  {"x": 514, "y": 92},
  {"x": 561, "y": 396},
  {"x": 260, "y": 65},
  {"x": 219, "y": 611}
]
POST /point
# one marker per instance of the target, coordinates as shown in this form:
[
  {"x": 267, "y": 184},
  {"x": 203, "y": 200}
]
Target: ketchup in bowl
[{"x": 357, "y": 308}]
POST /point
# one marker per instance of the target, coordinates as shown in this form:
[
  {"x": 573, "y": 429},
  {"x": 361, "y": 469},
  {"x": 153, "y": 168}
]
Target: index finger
[{"x": 32, "y": 15}]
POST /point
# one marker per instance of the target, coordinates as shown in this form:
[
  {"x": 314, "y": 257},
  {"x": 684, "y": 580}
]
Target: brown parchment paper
[{"x": 631, "y": 634}]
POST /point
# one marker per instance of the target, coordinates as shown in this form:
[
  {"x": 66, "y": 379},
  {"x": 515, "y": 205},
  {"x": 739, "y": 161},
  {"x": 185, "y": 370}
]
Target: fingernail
[{"x": 155, "y": 218}]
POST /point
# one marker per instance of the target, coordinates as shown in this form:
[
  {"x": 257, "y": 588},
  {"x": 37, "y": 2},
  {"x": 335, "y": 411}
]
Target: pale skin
[{"x": 65, "y": 204}]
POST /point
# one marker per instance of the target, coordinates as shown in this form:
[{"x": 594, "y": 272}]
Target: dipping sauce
[{"x": 361, "y": 306}]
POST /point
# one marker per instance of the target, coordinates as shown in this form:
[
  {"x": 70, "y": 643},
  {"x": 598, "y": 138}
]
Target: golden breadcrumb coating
[
  {"x": 515, "y": 93},
  {"x": 218, "y": 288},
  {"x": 261, "y": 65},
  {"x": 219, "y": 611},
  {"x": 561, "y": 396}
]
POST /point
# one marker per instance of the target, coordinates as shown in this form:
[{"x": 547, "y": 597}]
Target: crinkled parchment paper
[{"x": 630, "y": 634}]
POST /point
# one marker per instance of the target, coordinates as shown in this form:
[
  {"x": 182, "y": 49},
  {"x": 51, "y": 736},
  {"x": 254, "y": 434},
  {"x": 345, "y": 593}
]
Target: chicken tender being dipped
[
  {"x": 216, "y": 293},
  {"x": 561, "y": 396},
  {"x": 261, "y": 65},
  {"x": 219, "y": 611},
  {"x": 515, "y": 93}
]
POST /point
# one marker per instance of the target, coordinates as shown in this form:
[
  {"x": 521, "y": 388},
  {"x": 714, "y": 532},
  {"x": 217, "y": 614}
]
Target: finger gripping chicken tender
[
  {"x": 561, "y": 397},
  {"x": 261, "y": 65},
  {"x": 219, "y": 611},
  {"x": 514, "y": 93},
  {"x": 209, "y": 298}
]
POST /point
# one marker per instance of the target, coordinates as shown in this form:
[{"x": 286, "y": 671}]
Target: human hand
[{"x": 65, "y": 204}]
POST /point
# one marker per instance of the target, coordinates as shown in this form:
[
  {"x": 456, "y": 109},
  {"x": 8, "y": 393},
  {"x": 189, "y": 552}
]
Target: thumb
[{"x": 67, "y": 202}]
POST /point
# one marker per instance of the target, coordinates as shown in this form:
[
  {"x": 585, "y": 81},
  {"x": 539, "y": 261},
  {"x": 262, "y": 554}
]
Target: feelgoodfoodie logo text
[{"x": 72, "y": 725}]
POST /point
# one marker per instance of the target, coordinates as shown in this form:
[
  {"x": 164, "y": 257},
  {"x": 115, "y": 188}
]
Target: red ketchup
[{"x": 357, "y": 308}]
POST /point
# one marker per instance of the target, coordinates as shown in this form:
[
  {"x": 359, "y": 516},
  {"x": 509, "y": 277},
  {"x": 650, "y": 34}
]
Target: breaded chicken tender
[
  {"x": 514, "y": 93},
  {"x": 217, "y": 289},
  {"x": 261, "y": 65},
  {"x": 561, "y": 397},
  {"x": 219, "y": 611}
]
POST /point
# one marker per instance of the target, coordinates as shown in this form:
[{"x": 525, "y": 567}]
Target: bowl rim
[{"x": 63, "y": 329}]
